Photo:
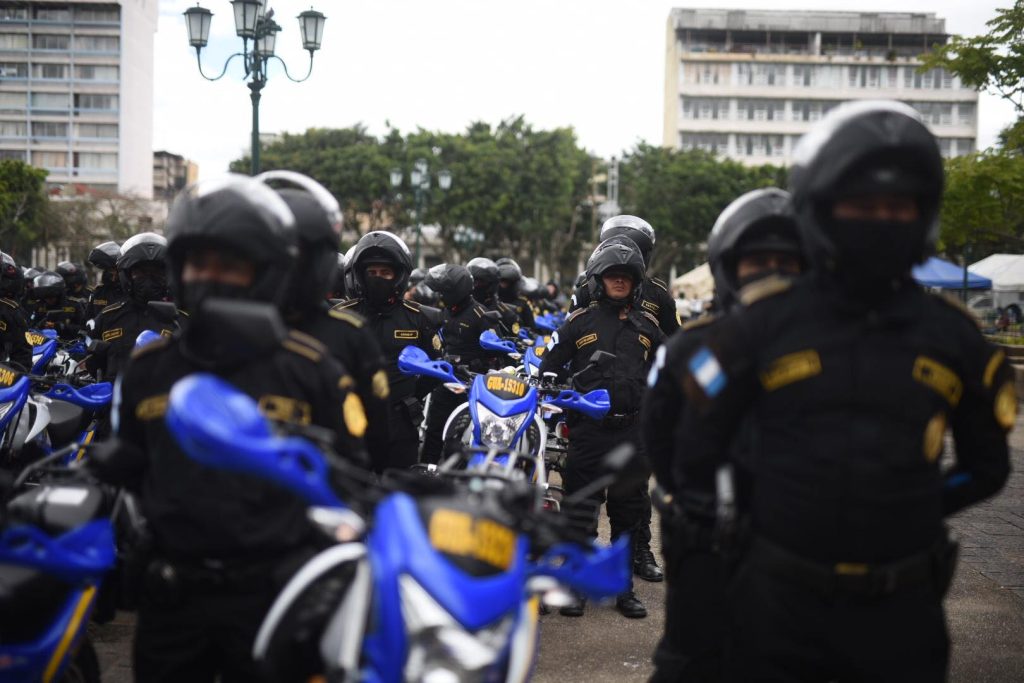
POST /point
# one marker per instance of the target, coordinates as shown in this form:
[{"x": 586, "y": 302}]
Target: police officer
[
  {"x": 510, "y": 278},
  {"x": 318, "y": 221},
  {"x": 755, "y": 237},
  {"x": 657, "y": 301},
  {"x": 52, "y": 309},
  {"x": 484, "y": 272},
  {"x": 75, "y": 282},
  {"x": 104, "y": 258},
  {"x": 611, "y": 323},
  {"x": 224, "y": 543},
  {"x": 466, "y": 321},
  {"x": 13, "y": 326},
  {"x": 142, "y": 272},
  {"x": 380, "y": 265},
  {"x": 849, "y": 381}
]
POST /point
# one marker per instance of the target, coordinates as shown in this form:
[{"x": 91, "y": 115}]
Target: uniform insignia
[
  {"x": 112, "y": 307},
  {"x": 707, "y": 372},
  {"x": 934, "y": 432},
  {"x": 515, "y": 328},
  {"x": 993, "y": 364},
  {"x": 1006, "y": 406},
  {"x": 791, "y": 368},
  {"x": 763, "y": 289},
  {"x": 346, "y": 382},
  {"x": 407, "y": 334},
  {"x": 587, "y": 339},
  {"x": 152, "y": 407},
  {"x": 351, "y": 318},
  {"x": 166, "y": 333},
  {"x": 111, "y": 335},
  {"x": 296, "y": 347},
  {"x": 436, "y": 342},
  {"x": 650, "y": 306},
  {"x": 304, "y": 345},
  {"x": 381, "y": 388},
  {"x": 348, "y": 303},
  {"x": 355, "y": 416},
  {"x": 650, "y": 317},
  {"x": 658, "y": 282},
  {"x": 575, "y": 314},
  {"x": 9, "y": 302},
  {"x": 286, "y": 409},
  {"x": 938, "y": 378},
  {"x": 646, "y": 342}
]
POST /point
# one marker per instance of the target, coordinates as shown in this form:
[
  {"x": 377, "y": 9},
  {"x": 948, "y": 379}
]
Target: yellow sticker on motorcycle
[
  {"x": 459, "y": 533},
  {"x": 505, "y": 383},
  {"x": 35, "y": 339}
]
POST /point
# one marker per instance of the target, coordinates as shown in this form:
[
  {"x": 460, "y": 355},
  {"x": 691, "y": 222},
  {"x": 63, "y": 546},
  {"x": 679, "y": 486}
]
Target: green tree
[
  {"x": 983, "y": 207},
  {"x": 23, "y": 204},
  {"x": 81, "y": 221}
]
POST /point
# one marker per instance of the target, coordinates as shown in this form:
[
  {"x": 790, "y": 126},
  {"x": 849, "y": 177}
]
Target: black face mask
[
  {"x": 108, "y": 277},
  {"x": 194, "y": 293},
  {"x": 874, "y": 256},
  {"x": 483, "y": 292},
  {"x": 149, "y": 289},
  {"x": 507, "y": 294},
  {"x": 378, "y": 291}
]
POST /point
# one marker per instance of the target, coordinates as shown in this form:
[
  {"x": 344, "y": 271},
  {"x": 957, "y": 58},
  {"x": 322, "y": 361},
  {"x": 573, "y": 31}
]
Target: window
[
  {"x": 97, "y": 43},
  {"x": 761, "y": 110},
  {"x": 49, "y": 101},
  {"x": 96, "y": 16},
  {"x": 96, "y": 161},
  {"x": 17, "y": 154},
  {"x": 13, "y": 14},
  {"x": 810, "y": 110},
  {"x": 13, "y": 70},
  {"x": 13, "y": 102},
  {"x": 761, "y": 74},
  {"x": 935, "y": 113},
  {"x": 710, "y": 108},
  {"x": 49, "y": 129},
  {"x": 891, "y": 77},
  {"x": 965, "y": 114},
  {"x": 803, "y": 75},
  {"x": 50, "y": 71},
  {"x": 62, "y": 14},
  {"x": 95, "y": 72},
  {"x": 13, "y": 41},
  {"x": 760, "y": 145},
  {"x": 92, "y": 102},
  {"x": 934, "y": 79},
  {"x": 707, "y": 74},
  {"x": 50, "y": 159},
  {"x": 709, "y": 142},
  {"x": 13, "y": 129},
  {"x": 46, "y": 41},
  {"x": 103, "y": 131},
  {"x": 964, "y": 145}
]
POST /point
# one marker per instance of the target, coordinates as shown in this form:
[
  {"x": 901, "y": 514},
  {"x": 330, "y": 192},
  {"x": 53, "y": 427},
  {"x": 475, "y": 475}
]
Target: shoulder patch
[
  {"x": 9, "y": 302},
  {"x": 764, "y": 289},
  {"x": 347, "y": 303},
  {"x": 657, "y": 282},
  {"x": 699, "y": 322},
  {"x": 411, "y": 305},
  {"x": 650, "y": 317},
  {"x": 957, "y": 305},
  {"x": 346, "y": 316},
  {"x": 156, "y": 344},
  {"x": 304, "y": 345},
  {"x": 112, "y": 307},
  {"x": 577, "y": 313}
]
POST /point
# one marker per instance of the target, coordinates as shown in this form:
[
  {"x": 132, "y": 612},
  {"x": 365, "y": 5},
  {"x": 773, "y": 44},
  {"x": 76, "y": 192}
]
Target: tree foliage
[
  {"x": 23, "y": 204},
  {"x": 983, "y": 209},
  {"x": 80, "y": 221}
]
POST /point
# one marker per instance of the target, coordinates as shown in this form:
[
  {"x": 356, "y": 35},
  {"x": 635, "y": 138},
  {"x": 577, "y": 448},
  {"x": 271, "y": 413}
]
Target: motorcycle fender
[
  {"x": 467, "y": 438},
  {"x": 523, "y": 649},
  {"x": 342, "y": 642}
]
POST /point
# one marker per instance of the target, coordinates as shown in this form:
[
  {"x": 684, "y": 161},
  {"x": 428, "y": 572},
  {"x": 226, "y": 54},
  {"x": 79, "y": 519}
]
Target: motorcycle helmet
[
  {"x": 615, "y": 255},
  {"x": 758, "y": 221},
  {"x": 239, "y": 215},
  {"x": 485, "y": 278},
  {"x": 864, "y": 149},
  {"x": 104, "y": 258},
  {"x": 633, "y": 227},
  {"x": 48, "y": 285},
  {"x": 12, "y": 281},
  {"x": 381, "y": 248},
  {"x": 73, "y": 274},
  {"x": 510, "y": 275},
  {"x": 452, "y": 282},
  {"x": 146, "y": 247}
]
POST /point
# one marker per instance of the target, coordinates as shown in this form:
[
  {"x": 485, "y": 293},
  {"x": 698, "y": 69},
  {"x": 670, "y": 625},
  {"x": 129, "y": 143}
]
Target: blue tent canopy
[{"x": 938, "y": 273}]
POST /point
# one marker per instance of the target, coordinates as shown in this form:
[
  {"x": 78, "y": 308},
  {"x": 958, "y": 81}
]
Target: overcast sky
[{"x": 595, "y": 65}]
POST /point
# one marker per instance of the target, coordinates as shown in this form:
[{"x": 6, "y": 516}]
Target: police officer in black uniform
[
  {"x": 466, "y": 321},
  {"x": 224, "y": 543},
  {"x": 484, "y": 272},
  {"x": 13, "y": 326},
  {"x": 75, "y": 282},
  {"x": 380, "y": 264},
  {"x": 849, "y": 381},
  {"x": 318, "y": 221},
  {"x": 510, "y": 277},
  {"x": 52, "y": 309},
  {"x": 755, "y": 237},
  {"x": 142, "y": 271},
  {"x": 108, "y": 292},
  {"x": 614, "y": 324}
]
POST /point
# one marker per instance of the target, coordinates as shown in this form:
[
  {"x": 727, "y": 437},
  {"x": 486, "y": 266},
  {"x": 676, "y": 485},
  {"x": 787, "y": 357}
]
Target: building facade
[
  {"x": 747, "y": 84},
  {"x": 76, "y": 92},
  {"x": 171, "y": 172}
]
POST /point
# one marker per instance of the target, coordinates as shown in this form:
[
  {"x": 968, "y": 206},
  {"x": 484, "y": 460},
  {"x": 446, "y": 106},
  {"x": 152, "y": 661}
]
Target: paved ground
[{"x": 985, "y": 611}]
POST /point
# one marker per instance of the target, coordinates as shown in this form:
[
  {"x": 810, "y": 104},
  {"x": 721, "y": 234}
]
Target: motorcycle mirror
[
  {"x": 602, "y": 358},
  {"x": 455, "y": 388}
]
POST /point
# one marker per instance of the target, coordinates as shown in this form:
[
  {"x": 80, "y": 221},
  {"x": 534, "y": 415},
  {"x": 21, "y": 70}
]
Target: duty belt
[{"x": 926, "y": 568}]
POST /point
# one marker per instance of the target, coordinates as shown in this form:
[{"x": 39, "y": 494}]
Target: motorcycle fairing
[
  {"x": 502, "y": 407},
  {"x": 42, "y": 355},
  {"x": 16, "y": 395},
  {"x": 94, "y": 397},
  {"x": 598, "y": 572},
  {"x": 414, "y": 361}
]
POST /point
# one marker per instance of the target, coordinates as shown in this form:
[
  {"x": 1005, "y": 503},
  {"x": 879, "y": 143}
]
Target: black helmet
[
  {"x": 12, "y": 281},
  {"x": 73, "y": 274},
  {"x": 338, "y": 278},
  {"x": 757, "y": 221},
  {"x": 858, "y": 149},
  {"x": 104, "y": 256},
  {"x": 318, "y": 222},
  {"x": 29, "y": 274},
  {"x": 452, "y": 282},
  {"x": 508, "y": 269},
  {"x": 416, "y": 277},
  {"x": 611, "y": 255},
  {"x": 240, "y": 214},
  {"x": 146, "y": 247},
  {"x": 633, "y": 227},
  {"x": 485, "y": 277},
  {"x": 48, "y": 285},
  {"x": 382, "y": 247}
]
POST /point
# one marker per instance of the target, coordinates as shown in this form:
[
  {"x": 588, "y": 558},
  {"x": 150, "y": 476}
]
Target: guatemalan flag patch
[{"x": 707, "y": 371}]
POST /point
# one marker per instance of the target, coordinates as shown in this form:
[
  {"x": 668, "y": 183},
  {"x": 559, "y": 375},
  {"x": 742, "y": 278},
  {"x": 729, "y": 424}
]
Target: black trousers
[
  {"x": 691, "y": 648},
  {"x": 627, "y": 501},
  {"x": 398, "y": 446},
  {"x": 442, "y": 403},
  {"x": 784, "y": 631},
  {"x": 205, "y": 636}
]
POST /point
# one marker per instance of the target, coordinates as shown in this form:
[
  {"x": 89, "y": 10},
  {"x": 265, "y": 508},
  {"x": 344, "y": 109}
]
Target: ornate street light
[
  {"x": 419, "y": 179},
  {"x": 255, "y": 25}
]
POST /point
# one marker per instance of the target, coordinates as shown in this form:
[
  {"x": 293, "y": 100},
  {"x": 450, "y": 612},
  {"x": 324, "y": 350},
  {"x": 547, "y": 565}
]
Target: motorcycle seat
[{"x": 67, "y": 421}]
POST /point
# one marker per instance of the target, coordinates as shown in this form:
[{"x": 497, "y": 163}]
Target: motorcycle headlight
[
  {"x": 495, "y": 431},
  {"x": 440, "y": 649}
]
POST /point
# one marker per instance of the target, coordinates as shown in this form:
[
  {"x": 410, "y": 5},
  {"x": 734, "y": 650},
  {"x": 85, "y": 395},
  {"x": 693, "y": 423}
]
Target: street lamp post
[
  {"x": 254, "y": 22},
  {"x": 419, "y": 180}
]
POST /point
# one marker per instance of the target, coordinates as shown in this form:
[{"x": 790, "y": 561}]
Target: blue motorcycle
[{"x": 441, "y": 587}]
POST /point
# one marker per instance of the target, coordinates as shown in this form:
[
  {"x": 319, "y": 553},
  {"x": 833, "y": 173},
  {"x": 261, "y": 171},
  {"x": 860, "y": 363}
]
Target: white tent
[
  {"x": 1007, "y": 274},
  {"x": 697, "y": 284}
]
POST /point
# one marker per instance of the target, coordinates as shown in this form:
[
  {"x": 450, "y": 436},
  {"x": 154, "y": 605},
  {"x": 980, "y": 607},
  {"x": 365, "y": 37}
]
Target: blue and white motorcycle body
[{"x": 441, "y": 588}]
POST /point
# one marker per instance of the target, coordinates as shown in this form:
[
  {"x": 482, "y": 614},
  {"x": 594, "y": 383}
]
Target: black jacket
[
  {"x": 655, "y": 299},
  {"x": 13, "y": 328},
  {"x": 117, "y": 328}
]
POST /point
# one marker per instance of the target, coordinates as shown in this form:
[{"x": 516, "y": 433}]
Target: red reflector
[{"x": 562, "y": 430}]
